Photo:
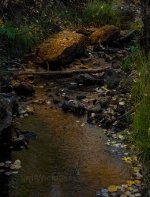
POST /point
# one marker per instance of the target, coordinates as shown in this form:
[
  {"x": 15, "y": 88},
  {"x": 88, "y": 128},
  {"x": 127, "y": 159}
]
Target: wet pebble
[
  {"x": 105, "y": 195},
  {"x": 8, "y": 162},
  {"x": 26, "y": 115},
  {"x": 128, "y": 193},
  {"x": 15, "y": 172},
  {"x": 135, "y": 190},
  {"x": 2, "y": 164},
  {"x": 8, "y": 173},
  {"x": 98, "y": 193},
  {"x": 104, "y": 190},
  {"x": 138, "y": 195},
  {"x": 16, "y": 165}
]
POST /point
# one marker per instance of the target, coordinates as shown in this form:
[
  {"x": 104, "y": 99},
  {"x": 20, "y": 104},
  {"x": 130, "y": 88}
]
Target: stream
[{"x": 69, "y": 158}]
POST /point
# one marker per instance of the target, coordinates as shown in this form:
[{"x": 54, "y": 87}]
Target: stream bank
[{"x": 66, "y": 147}]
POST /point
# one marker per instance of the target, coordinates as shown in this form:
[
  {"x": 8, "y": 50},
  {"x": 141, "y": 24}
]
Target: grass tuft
[
  {"x": 99, "y": 13},
  {"x": 141, "y": 101},
  {"x": 140, "y": 95}
]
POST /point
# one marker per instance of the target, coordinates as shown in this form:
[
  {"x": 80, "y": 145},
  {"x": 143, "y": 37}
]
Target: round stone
[
  {"x": 8, "y": 173},
  {"x": 98, "y": 193},
  {"x": 15, "y": 172},
  {"x": 2, "y": 164},
  {"x": 8, "y": 162},
  {"x": 104, "y": 190},
  {"x": 138, "y": 195}
]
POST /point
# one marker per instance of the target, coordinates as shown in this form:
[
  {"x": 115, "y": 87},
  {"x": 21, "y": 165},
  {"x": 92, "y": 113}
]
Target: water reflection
[{"x": 68, "y": 159}]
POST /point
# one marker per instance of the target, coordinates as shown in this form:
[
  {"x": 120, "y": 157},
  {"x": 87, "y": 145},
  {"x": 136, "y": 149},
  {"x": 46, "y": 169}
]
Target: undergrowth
[
  {"x": 18, "y": 40},
  {"x": 141, "y": 101},
  {"x": 92, "y": 13},
  {"x": 141, "y": 122},
  {"x": 97, "y": 12}
]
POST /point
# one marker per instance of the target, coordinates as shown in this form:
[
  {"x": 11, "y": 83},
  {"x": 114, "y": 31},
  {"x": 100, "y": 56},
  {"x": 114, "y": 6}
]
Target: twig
[{"x": 66, "y": 72}]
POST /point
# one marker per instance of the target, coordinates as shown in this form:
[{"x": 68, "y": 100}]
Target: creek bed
[{"x": 68, "y": 158}]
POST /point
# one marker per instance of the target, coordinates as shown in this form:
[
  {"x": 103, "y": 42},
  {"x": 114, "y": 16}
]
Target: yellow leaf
[
  {"x": 127, "y": 159},
  {"x": 149, "y": 131},
  {"x": 136, "y": 169},
  {"x": 130, "y": 188},
  {"x": 130, "y": 183},
  {"x": 112, "y": 188},
  {"x": 137, "y": 182},
  {"x": 13, "y": 82}
]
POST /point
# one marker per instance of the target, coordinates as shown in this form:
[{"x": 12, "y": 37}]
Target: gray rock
[
  {"x": 74, "y": 107},
  {"x": 24, "y": 89},
  {"x": 111, "y": 78},
  {"x": 86, "y": 79},
  {"x": 96, "y": 108}
]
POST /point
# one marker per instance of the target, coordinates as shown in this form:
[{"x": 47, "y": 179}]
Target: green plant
[
  {"x": 141, "y": 126},
  {"x": 8, "y": 30},
  {"x": 99, "y": 13},
  {"x": 135, "y": 25},
  {"x": 140, "y": 96},
  {"x": 19, "y": 40},
  {"x": 129, "y": 62},
  {"x": 141, "y": 85},
  {"x": 141, "y": 102}
]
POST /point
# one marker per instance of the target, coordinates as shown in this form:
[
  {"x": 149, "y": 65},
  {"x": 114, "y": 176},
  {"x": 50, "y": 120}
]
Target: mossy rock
[
  {"x": 62, "y": 48},
  {"x": 105, "y": 34}
]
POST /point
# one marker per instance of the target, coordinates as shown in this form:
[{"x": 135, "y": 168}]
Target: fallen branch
[{"x": 66, "y": 72}]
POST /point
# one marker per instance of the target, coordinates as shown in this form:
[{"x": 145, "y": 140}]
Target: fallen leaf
[{"x": 112, "y": 188}]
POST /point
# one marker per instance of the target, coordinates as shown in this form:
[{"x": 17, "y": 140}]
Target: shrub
[{"x": 19, "y": 40}]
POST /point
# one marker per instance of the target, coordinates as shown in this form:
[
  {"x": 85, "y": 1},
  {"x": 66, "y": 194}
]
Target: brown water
[{"x": 68, "y": 159}]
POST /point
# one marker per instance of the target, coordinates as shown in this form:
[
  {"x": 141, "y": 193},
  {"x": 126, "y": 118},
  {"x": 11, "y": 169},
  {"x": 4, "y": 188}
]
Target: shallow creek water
[{"x": 67, "y": 159}]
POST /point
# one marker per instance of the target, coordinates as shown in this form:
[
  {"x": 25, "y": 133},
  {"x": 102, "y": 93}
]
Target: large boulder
[
  {"x": 105, "y": 34},
  {"x": 62, "y": 48}
]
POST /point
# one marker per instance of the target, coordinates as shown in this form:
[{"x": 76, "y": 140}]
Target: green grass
[
  {"x": 140, "y": 96},
  {"x": 93, "y": 13},
  {"x": 141, "y": 101},
  {"x": 129, "y": 63},
  {"x": 141, "y": 85},
  {"x": 99, "y": 13}
]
